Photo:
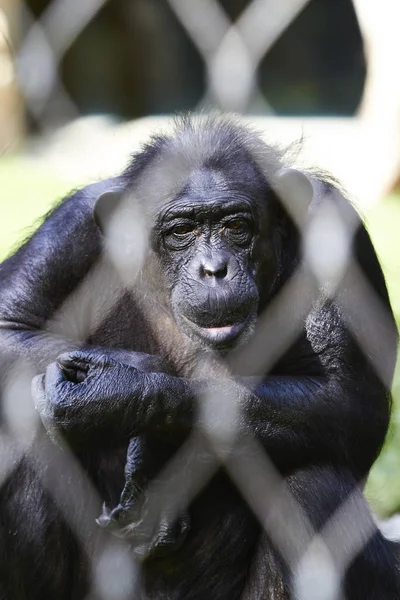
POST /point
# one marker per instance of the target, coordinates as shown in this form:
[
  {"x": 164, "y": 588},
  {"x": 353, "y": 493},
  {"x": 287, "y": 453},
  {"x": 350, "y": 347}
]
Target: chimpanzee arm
[
  {"x": 297, "y": 418},
  {"x": 38, "y": 279},
  {"x": 41, "y": 315}
]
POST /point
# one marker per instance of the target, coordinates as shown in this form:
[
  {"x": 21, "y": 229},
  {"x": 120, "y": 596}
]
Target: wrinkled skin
[{"x": 221, "y": 248}]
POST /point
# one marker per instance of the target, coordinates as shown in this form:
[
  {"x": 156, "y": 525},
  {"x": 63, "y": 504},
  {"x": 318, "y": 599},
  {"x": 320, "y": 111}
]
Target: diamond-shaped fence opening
[{"x": 318, "y": 558}]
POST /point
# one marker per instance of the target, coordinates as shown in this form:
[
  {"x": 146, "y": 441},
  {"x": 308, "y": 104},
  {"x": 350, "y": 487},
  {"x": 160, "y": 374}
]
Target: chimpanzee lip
[{"x": 219, "y": 335}]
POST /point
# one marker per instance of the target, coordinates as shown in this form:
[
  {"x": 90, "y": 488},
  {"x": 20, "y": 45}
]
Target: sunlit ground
[{"x": 28, "y": 191}]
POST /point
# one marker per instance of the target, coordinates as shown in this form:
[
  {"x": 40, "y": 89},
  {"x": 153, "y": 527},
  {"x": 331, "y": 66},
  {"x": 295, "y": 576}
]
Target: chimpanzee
[{"x": 145, "y": 298}]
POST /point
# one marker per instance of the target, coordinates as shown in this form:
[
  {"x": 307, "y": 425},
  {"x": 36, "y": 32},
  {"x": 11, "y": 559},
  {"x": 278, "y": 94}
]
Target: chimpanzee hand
[
  {"x": 152, "y": 531},
  {"x": 150, "y": 538},
  {"x": 86, "y": 393}
]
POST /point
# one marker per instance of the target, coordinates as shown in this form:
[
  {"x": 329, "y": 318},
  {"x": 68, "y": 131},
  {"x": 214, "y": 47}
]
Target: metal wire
[{"x": 231, "y": 53}]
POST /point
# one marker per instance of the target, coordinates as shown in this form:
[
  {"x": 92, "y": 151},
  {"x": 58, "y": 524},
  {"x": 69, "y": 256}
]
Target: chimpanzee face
[
  {"x": 206, "y": 240},
  {"x": 215, "y": 229}
]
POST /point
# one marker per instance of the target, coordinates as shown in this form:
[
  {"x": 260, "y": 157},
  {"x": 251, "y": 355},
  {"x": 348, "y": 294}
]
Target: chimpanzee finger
[
  {"x": 38, "y": 391},
  {"x": 55, "y": 377},
  {"x": 54, "y": 394},
  {"x": 74, "y": 371},
  {"x": 84, "y": 361},
  {"x": 57, "y": 400},
  {"x": 75, "y": 375}
]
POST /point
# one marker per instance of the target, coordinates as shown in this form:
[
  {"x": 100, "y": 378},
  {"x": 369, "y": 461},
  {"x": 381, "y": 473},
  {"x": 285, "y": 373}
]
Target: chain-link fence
[{"x": 317, "y": 558}]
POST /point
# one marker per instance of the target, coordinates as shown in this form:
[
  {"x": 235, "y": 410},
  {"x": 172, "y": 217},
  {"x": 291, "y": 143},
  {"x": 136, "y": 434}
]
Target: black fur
[{"x": 133, "y": 335}]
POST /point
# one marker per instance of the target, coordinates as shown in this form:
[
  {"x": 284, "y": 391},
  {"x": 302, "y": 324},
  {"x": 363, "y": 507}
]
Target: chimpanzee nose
[{"x": 215, "y": 265}]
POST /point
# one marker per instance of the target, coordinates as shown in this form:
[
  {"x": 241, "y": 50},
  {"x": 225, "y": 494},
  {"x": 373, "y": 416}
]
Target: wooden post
[
  {"x": 380, "y": 106},
  {"x": 11, "y": 108}
]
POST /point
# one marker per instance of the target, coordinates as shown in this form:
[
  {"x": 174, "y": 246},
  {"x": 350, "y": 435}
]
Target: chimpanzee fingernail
[
  {"x": 103, "y": 521},
  {"x": 72, "y": 363}
]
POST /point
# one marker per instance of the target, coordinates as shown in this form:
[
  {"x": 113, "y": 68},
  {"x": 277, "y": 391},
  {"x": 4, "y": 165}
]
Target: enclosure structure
[{"x": 230, "y": 53}]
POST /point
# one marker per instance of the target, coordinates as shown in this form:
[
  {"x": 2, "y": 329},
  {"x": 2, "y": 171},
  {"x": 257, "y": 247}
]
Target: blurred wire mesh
[{"x": 231, "y": 52}]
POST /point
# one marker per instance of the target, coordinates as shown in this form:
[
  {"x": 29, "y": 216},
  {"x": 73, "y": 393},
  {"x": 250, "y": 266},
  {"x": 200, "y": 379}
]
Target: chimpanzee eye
[
  {"x": 239, "y": 231},
  {"x": 181, "y": 229},
  {"x": 239, "y": 226},
  {"x": 180, "y": 235},
  {"x": 235, "y": 224}
]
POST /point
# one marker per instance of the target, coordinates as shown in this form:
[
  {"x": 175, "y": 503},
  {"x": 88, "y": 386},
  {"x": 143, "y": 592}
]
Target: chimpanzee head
[{"x": 208, "y": 198}]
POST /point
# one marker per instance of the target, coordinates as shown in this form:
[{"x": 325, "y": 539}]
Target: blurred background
[{"x": 83, "y": 83}]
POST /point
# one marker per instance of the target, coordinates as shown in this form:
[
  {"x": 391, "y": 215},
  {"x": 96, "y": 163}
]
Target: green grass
[
  {"x": 28, "y": 191},
  {"x": 383, "y": 489}
]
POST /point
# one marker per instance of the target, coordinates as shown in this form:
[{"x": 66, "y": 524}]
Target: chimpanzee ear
[
  {"x": 295, "y": 190},
  {"x": 105, "y": 207}
]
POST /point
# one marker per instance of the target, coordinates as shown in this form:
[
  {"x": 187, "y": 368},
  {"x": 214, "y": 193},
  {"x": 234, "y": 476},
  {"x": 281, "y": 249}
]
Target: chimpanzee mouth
[{"x": 220, "y": 336}]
